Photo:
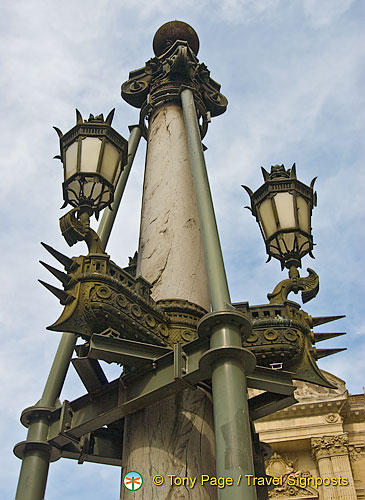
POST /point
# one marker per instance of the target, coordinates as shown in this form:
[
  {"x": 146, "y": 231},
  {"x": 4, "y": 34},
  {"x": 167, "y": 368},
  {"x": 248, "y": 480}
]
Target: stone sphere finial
[{"x": 169, "y": 32}]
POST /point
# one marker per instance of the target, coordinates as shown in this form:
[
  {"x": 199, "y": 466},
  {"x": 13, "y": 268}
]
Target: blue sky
[{"x": 292, "y": 73}]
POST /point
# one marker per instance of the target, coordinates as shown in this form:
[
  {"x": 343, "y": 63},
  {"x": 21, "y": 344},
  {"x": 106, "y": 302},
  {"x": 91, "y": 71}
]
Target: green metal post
[
  {"x": 234, "y": 457},
  {"x": 35, "y": 462},
  {"x": 36, "y": 454}
]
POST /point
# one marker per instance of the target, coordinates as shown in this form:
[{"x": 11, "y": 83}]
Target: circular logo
[{"x": 132, "y": 480}]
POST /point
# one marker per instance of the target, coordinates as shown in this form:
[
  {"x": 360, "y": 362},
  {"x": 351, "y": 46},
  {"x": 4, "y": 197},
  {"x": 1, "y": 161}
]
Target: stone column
[
  {"x": 321, "y": 455},
  {"x": 342, "y": 466},
  {"x": 170, "y": 254},
  {"x": 331, "y": 453},
  {"x": 173, "y": 437}
]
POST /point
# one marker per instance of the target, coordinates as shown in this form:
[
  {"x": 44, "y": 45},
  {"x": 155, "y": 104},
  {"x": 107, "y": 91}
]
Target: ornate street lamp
[
  {"x": 169, "y": 344},
  {"x": 282, "y": 334},
  {"x": 93, "y": 156},
  {"x": 283, "y": 208}
]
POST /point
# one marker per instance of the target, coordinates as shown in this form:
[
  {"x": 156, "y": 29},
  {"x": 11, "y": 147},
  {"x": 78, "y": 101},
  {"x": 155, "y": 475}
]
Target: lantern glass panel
[
  {"x": 71, "y": 160},
  {"x": 267, "y": 218},
  {"x": 303, "y": 214},
  {"x": 92, "y": 189},
  {"x": 110, "y": 161},
  {"x": 287, "y": 244},
  {"x": 285, "y": 208},
  {"x": 90, "y": 151},
  {"x": 73, "y": 190},
  {"x": 303, "y": 244}
]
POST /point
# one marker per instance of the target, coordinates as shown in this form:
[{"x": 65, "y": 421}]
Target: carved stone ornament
[
  {"x": 332, "y": 418},
  {"x": 292, "y": 482},
  {"x": 357, "y": 452},
  {"x": 164, "y": 77},
  {"x": 327, "y": 446}
]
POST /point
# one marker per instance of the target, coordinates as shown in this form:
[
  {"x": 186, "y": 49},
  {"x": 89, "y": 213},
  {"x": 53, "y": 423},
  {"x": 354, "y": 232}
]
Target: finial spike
[
  {"x": 265, "y": 174},
  {"x": 294, "y": 171},
  {"x": 63, "y": 259},
  {"x": 79, "y": 118},
  {"x": 320, "y": 336},
  {"x": 63, "y": 296},
  {"x": 64, "y": 279},
  {"x": 59, "y": 132},
  {"x": 321, "y": 320},
  {"x": 110, "y": 117},
  {"x": 249, "y": 191},
  {"x": 323, "y": 353}
]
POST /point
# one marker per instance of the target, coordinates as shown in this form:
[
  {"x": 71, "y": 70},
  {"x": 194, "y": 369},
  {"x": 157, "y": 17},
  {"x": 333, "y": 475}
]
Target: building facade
[{"x": 318, "y": 444}]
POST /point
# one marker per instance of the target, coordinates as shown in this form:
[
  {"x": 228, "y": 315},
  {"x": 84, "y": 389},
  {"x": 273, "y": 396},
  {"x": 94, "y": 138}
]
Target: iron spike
[
  {"x": 320, "y": 320},
  {"x": 293, "y": 171},
  {"x": 59, "y": 132},
  {"x": 63, "y": 297},
  {"x": 110, "y": 116},
  {"x": 318, "y": 337},
  {"x": 79, "y": 119},
  {"x": 313, "y": 182},
  {"x": 323, "y": 353},
  {"x": 63, "y": 259},
  {"x": 265, "y": 174},
  {"x": 249, "y": 191},
  {"x": 60, "y": 275}
]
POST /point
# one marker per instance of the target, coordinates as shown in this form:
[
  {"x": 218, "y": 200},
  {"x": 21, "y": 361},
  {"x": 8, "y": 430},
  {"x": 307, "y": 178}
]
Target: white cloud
[{"x": 322, "y": 13}]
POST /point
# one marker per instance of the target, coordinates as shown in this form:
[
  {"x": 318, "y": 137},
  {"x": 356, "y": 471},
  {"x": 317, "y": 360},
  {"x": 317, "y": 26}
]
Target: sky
[{"x": 292, "y": 73}]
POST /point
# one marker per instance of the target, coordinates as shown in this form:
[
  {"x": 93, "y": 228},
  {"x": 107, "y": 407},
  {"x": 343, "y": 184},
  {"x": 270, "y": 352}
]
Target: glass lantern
[
  {"x": 93, "y": 156},
  {"x": 283, "y": 208}
]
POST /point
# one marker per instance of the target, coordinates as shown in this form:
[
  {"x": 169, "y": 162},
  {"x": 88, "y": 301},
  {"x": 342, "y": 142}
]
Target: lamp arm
[
  {"x": 309, "y": 286},
  {"x": 77, "y": 228}
]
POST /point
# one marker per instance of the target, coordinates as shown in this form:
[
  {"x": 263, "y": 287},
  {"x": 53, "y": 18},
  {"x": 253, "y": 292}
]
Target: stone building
[{"x": 321, "y": 439}]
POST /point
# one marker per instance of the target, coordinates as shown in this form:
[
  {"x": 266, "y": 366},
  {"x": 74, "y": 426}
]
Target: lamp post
[{"x": 167, "y": 317}]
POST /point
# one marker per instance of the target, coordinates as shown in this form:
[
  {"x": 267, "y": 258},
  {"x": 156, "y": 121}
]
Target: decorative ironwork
[
  {"x": 164, "y": 77},
  {"x": 78, "y": 229},
  {"x": 295, "y": 283},
  {"x": 100, "y": 296}
]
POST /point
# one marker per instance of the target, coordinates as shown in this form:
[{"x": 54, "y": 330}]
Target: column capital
[
  {"x": 327, "y": 446},
  {"x": 163, "y": 78}
]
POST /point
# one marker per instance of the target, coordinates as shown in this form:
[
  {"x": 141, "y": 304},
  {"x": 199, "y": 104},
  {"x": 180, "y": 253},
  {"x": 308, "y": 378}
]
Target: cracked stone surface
[
  {"x": 170, "y": 253},
  {"x": 174, "y": 436}
]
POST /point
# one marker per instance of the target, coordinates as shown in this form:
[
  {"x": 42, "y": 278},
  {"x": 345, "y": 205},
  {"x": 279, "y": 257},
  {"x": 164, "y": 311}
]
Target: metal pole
[
  {"x": 234, "y": 457},
  {"x": 36, "y": 453}
]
